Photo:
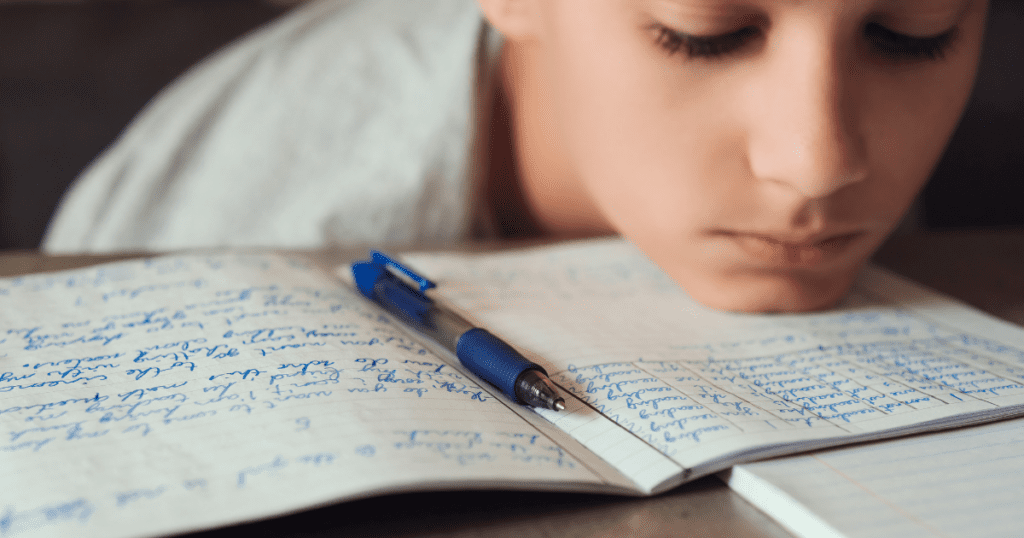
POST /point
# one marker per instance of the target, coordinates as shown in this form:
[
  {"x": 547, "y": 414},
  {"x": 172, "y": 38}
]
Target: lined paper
[
  {"x": 184, "y": 392},
  {"x": 706, "y": 388},
  {"x": 964, "y": 482},
  {"x": 178, "y": 393}
]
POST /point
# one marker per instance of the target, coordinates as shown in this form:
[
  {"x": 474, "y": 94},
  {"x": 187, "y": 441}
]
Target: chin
[{"x": 771, "y": 292}]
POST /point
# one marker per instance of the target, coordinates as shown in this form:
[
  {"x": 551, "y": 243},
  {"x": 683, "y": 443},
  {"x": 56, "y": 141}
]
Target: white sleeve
[{"x": 345, "y": 118}]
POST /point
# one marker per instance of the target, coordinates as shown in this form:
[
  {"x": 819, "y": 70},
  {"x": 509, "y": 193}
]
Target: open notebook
[{"x": 184, "y": 392}]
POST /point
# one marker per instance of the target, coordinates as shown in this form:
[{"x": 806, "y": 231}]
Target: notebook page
[
  {"x": 171, "y": 394},
  {"x": 964, "y": 482},
  {"x": 705, "y": 387}
]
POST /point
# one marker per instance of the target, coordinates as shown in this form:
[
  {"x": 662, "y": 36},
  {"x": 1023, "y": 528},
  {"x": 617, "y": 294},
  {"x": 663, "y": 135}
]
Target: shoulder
[{"x": 290, "y": 122}]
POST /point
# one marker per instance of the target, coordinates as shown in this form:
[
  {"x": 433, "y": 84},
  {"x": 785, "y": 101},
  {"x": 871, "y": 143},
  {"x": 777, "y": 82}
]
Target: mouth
[{"x": 793, "y": 250}]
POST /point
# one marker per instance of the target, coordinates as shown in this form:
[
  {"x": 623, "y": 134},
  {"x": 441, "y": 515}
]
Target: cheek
[
  {"x": 913, "y": 125},
  {"x": 911, "y": 114},
  {"x": 636, "y": 134},
  {"x": 907, "y": 125}
]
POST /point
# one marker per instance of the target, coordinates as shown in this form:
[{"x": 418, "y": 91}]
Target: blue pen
[{"x": 380, "y": 279}]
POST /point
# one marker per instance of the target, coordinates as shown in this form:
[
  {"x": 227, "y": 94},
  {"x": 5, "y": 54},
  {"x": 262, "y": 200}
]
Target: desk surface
[{"x": 980, "y": 268}]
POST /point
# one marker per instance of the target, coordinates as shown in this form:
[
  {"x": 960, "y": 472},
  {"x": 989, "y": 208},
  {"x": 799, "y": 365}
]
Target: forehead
[{"x": 922, "y": 7}]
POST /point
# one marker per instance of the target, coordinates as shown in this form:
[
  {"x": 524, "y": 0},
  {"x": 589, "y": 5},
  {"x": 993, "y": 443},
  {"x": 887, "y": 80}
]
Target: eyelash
[
  {"x": 889, "y": 44},
  {"x": 703, "y": 46},
  {"x": 896, "y": 46}
]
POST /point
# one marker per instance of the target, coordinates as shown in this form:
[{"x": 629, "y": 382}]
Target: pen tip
[{"x": 559, "y": 405}]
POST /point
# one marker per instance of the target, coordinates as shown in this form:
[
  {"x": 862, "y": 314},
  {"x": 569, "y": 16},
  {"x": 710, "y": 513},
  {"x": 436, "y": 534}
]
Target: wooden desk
[{"x": 981, "y": 268}]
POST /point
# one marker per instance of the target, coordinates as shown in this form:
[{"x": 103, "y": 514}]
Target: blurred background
[{"x": 73, "y": 73}]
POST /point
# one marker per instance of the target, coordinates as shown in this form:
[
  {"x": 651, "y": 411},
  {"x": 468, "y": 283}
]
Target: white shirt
[{"x": 345, "y": 121}]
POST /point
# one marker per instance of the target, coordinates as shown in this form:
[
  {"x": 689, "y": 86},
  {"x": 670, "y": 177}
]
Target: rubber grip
[{"x": 492, "y": 360}]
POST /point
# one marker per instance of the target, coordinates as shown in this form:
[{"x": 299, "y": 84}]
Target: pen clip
[
  {"x": 367, "y": 273},
  {"x": 383, "y": 259}
]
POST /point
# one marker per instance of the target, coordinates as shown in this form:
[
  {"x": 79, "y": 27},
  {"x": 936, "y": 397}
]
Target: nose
[{"x": 805, "y": 133}]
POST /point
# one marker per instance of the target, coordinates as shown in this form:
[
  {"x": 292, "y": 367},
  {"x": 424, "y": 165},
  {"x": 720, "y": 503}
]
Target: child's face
[{"x": 761, "y": 164}]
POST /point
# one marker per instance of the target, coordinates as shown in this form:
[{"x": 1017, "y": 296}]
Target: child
[{"x": 757, "y": 151}]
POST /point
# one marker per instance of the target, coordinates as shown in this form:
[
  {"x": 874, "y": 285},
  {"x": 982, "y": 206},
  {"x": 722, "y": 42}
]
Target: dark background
[
  {"x": 73, "y": 74},
  {"x": 980, "y": 180}
]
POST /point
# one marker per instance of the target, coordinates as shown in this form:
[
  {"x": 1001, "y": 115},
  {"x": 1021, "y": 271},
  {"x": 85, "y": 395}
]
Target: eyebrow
[
  {"x": 714, "y": 7},
  {"x": 965, "y": 5},
  {"x": 942, "y": 8}
]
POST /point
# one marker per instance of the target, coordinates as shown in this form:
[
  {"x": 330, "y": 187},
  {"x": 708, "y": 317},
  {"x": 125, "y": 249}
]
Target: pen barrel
[
  {"x": 493, "y": 360},
  {"x": 446, "y": 327}
]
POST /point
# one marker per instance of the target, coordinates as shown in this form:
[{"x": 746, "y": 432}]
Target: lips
[{"x": 780, "y": 250}]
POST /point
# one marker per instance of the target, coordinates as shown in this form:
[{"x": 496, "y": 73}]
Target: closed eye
[
  {"x": 888, "y": 43},
  {"x": 899, "y": 47},
  {"x": 704, "y": 46}
]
